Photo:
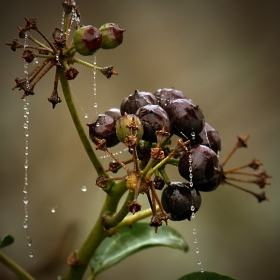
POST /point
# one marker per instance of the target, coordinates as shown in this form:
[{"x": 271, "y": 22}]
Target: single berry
[
  {"x": 186, "y": 117},
  {"x": 124, "y": 124},
  {"x": 114, "y": 113},
  {"x": 209, "y": 137},
  {"x": 178, "y": 198},
  {"x": 153, "y": 118},
  {"x": 136, "y": 100},
  {"x": 159, "y": 183},
  {"x": 213, "y": 183},
  {"x": 166, "y": 95},
  {"x": 112, "y": 35},
  {"x": 104, "y": 127},
  {"x": 204, "y": 164},
  {"x": 87, "y": 40}
]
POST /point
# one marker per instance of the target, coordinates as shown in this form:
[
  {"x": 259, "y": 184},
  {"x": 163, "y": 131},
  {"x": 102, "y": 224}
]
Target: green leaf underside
[
  {"x": 6, "y": 241},
  {"x": 128, "y": 241},
  {"x": 207, "y": 275}
]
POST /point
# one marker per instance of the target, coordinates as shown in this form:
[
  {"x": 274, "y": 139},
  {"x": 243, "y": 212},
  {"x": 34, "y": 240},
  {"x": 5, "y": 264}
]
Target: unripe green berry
[
  {"x": 123, "y": 130},
  {"x": 87, "y": 40},
  {"x": 112, "y": 35}
]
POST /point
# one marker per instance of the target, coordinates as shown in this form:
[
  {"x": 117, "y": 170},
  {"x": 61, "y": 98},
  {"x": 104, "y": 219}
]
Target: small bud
[
  {"x": 112, "y": 35},
  {"x": 87, "y": 40},
  {"x": 129, "y": 125}
]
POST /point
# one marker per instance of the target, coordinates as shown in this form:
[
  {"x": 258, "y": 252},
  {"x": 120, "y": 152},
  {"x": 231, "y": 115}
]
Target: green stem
[
  {"x": 97, "y": 233},
  {"x": 83, "y": 137},
  {"x": 112, "y": 221},
  {"x": 87, "y": 64},
  {"x": 19, "y": 271}
]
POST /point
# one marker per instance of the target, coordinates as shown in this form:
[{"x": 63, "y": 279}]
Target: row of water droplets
[{"x": 26, "y": 152}]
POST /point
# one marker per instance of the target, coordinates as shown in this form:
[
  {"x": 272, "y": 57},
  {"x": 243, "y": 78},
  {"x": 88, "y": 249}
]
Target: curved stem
[
  {"x": 83, "y": 137},
  {"x": 87, "y": 64},
  {"x": 19, "y": 271}
]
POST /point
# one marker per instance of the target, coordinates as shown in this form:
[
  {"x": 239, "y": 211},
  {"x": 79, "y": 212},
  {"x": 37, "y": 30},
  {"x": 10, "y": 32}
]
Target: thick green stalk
[
  {"x": 81, "y": 132},
  {"x": 97, "y": 233},
  {"x": 19, "y": 271}
]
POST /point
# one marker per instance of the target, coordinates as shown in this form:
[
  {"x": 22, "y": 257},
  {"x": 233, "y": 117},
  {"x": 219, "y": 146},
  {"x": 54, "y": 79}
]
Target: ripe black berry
[
  {"x": 114, "y": 113},
  {"x": 204, "y": 164},
  {"x": 209, "y": 137},
  {"x": 136, "y": 100},
  {"x": 186, "y": 117},
  {"x": 104, "y": 127},
  {"x": 178, "y": 198},
  {"x": 166, "y": 95},
  {"x": 153, "y": 118}
]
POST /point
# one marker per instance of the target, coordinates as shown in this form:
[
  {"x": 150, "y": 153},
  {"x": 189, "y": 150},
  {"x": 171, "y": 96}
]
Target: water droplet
[
  {"x": 190, "y": 169},
  {"x": 193, "y": 135},
  {"x": 25, "y": 224},
  {"x": 97, "y": 124},
  {"x": 192, "y": 208},
  {"x": 53, "y": 209},
  {"x": 86, "y": 116},
  {"x": 197, "y": 250},
  {"x": 194, "y": 231},
  {"x": 29, "y": 241},
  {"x": 84, "y": 188},
  {"x": 193, "y": 215},
  {"x": 25, "y": 200},
  {"x": 95, "y": 105},
  {"x": 195, "y": 241},
  {"x": 31, "y": 255},
  {"x": 202, "y": 270},
  {"x": 191, "y": 184},
  {"x": 199, "y": 262}
]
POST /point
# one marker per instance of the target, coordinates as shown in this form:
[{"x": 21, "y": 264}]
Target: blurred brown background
[{"x": 222, "y": 54}]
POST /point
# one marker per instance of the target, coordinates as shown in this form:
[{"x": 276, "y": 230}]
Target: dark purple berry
[
  {"x": 87, "y": 40},
  {"x": 165, "y": 96},
  {"x": 178, "y": 198},
  {"x": 159, "y": 183},
  {"x": 210, "y": 138},
  {"x": 204, "y": 163},
  {"x": 115, "y": 113},
  {"x": 136, "y": 100},
  {"x": 213, "y": 183},
  {"x": 104, "y": 127},
  {"x": 112, "y": 35},
  {"x": 153, "y": 118},
  {"x": 186, "y": 118}
]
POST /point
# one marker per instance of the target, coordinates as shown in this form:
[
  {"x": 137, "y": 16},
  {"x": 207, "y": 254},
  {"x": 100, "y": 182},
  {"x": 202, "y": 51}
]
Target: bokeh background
[{"x": 222, "y": 54}]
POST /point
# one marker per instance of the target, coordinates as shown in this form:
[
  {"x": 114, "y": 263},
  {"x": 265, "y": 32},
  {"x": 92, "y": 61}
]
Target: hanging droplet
[
  {"x": 195, "y": 241},
  {"x": 53, "y": 210},
  {"x": 202, "y": 270},
  {"x": 193, "y": 135},
  {"x": 31, "y": 255},
  {"x": 194, "y": 231},
  {"x": 199, "y": 262},
  {"x": 86, "y": 116},
  {"x": 84, "y": 188},
  {"x": 193, "y": 215},
  {"x": 25, "y": 200},
  {"x": 29, "y": 241},
  {"x": 25, "y": 223},
  {"x": 197, "y": 250},
  {"x": 95, "y": 105},
  {"x": 192, "y": 208}
]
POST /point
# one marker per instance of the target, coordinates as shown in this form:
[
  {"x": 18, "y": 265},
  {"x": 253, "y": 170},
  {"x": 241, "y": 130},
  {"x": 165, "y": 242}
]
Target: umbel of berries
[
  {"x": 112, "y": 35},
  {"x": 204, "y": 163},
  {"x": 180, "y": 200},
  {"x": 87, "y": 40}
]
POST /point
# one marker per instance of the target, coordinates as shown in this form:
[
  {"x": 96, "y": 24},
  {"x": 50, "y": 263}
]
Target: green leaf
[
  {"x": 131, "y": 240},
  {"x": 6, "y": 241},
  {"x": 206, "y": 275}
]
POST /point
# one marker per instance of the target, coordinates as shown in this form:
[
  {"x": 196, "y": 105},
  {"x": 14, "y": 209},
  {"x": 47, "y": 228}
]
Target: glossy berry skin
[
  {"x": 186, "y": 118},
  {"x": 177, "y": 199},
  {"x": 153, "y": 118},
  {"x": 136, "y": 100},
  {"x": 115, "y": 113},
  {"x": 165, "y": 96},
  {"x": 213, "y": 183},
  {"x": 87, "y": 40},
  {"x": 209, "y": 137},
  {"x": 123, "y": 131},
  {"x": 104, "y": 127},
  {"x": 112, "y": 35},
  {"x": 204, "y": 163}
]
